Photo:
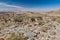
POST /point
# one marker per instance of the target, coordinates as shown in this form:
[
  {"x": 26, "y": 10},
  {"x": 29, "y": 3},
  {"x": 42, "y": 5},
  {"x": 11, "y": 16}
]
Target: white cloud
[
  {"x": 14, "y": 7},
  {"x": 7, "y": 5}
]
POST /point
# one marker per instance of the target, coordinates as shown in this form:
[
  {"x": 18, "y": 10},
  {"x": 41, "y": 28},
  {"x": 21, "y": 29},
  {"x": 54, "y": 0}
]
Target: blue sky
[{"x": 30, "y": 5}]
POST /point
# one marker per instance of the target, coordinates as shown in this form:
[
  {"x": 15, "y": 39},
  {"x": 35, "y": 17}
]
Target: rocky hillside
[{"x": 21, "y": 25}]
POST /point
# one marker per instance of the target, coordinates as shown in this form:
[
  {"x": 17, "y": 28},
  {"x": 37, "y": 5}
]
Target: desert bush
[
  {"x": 33, "y": 19},
  {"x": 18, "y": 19},
  {"x": 14, "y": 37}
]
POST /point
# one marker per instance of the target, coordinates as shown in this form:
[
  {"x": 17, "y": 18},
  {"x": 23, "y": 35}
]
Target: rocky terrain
[{"x": 30, "y": 25}]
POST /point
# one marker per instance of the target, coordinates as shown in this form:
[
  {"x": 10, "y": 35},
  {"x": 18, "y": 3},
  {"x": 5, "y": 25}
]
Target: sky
[{"x": 29, "y": 5}]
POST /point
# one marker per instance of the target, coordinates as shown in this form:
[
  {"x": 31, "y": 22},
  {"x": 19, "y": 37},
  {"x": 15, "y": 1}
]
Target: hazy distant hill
[{"x": 54, "y": 13}]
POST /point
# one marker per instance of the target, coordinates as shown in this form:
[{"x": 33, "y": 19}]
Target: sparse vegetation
[{"x": 29, "y": 26}]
